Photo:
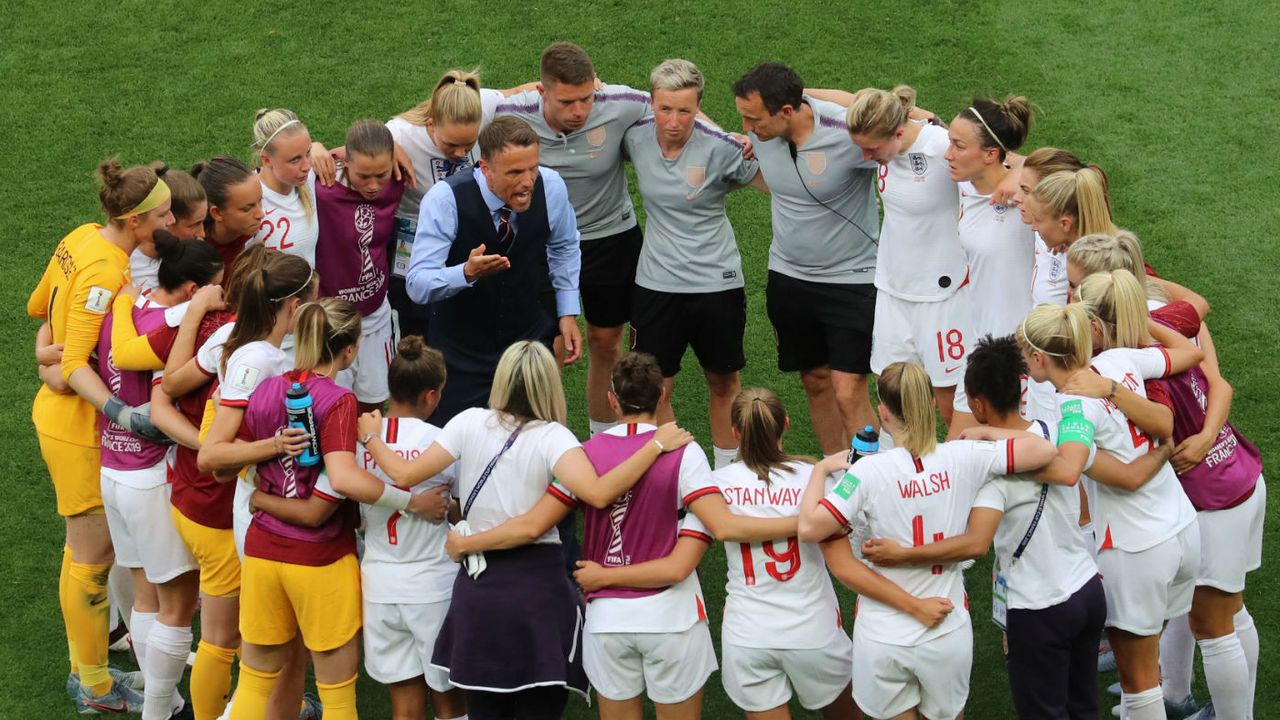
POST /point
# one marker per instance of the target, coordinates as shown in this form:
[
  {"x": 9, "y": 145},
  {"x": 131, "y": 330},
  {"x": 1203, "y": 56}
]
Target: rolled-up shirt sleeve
[
  {"x": 564, "y": 251},
  {"x": 428, "y": 280}
]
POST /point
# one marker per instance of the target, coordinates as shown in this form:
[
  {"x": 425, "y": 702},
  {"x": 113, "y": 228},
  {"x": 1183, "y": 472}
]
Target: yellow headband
[{"x": 159, "y": 194}]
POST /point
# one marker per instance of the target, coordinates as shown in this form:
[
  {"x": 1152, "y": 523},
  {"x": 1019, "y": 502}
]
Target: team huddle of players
[{"x": 1088, "y": 433}]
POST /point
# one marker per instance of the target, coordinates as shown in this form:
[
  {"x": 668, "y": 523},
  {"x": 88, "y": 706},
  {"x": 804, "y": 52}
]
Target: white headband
[
  {"x": 978, "y": 115},
  {"x": 273, "y": 135}
]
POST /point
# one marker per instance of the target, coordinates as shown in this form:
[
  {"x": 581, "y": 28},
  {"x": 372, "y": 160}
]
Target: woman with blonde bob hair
[
  {"x": 512, "y": 599},
  {"x": 1148, "y": 542},
  {"x": 1104, "y": 252},
  {"x": 916, "y": 493}
]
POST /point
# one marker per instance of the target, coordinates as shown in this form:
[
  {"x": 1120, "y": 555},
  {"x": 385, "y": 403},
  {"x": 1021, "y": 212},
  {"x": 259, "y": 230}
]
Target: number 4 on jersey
[{"x": 917, "y": 538}]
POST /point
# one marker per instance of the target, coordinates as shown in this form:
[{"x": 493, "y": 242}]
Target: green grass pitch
[{"x": 1172, "y": 99}]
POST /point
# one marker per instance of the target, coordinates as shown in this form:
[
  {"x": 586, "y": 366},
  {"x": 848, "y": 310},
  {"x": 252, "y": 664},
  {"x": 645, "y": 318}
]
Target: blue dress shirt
[{"x": 429, "y": 280}]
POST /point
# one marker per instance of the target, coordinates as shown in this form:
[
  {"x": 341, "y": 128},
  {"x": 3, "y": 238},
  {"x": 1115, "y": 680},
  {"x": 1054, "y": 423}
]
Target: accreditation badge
[
  {"x": 999, "y": 597},
  {"x": 405, "y": 230}
]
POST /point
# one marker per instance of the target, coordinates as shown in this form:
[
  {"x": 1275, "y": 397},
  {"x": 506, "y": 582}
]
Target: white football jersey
[
  {"x": 1130, "y": 521},
  {"x": 915, "y": 501},
  {"x": 430, "y": 166},
  {"x": 1049, "y": 279},
  {"x": 919, "y": 257},
  {"x": 404, "y": 559},
  {"x": 144, "y": 271},
  {"x": 1000, "y": 249},
  {"x": 286, "y": 224},
  {"x": 1056, "y": 561},
  {"x": 247, "y": 367},
  {"x": 779, "y": 594}
]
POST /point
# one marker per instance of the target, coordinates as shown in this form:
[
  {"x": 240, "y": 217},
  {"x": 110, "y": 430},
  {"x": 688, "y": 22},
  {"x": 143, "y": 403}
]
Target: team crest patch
[
  {"x": 816, "y": 162},
  {"x": 846, "y": 486},
  {"x": 99, "y": 300},
  {"x": 694, "y": 176},
  {"x": 597, "y": 135},
  {"x": 246, "y": 378},
  {"x": 918, "y": 163},
  {"x": 999, "y": 209}
]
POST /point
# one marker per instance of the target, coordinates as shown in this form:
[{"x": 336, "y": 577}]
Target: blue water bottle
[
  {"x": 297, "y": 402},
  {"x": 866, "y": 442}
]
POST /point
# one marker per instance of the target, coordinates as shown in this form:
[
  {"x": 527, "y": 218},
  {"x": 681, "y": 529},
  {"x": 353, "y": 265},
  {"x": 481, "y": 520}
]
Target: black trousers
[
  {"x": 1053, "y": 656},
  {"x": 541, "y": 703}
]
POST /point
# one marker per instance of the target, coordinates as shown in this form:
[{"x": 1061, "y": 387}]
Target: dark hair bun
[
  {"x": 411, "y": 348},
  {"x": 168, "y": 246},
  {"x": 110, "y": 172}
]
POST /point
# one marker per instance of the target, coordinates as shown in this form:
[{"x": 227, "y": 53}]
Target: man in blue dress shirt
[{"x": 497, "y": 256}]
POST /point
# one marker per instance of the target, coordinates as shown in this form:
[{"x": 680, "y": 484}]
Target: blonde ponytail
[
  {"x": 454, "y": 100},
  {"x": 1060, "y": 333},
  {"x": 1116, "y": 299},
  {"x": 879, "y": 113},
  {"x": 322, "y": 329},
  {"x": 1101, "y": 252},
  {"x": 905, "y": 390}
]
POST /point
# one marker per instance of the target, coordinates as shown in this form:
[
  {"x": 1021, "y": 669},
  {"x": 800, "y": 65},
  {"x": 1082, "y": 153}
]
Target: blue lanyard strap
[
  {"x": 484, "y": 476},
  {"x": 1035, "y": 519}
]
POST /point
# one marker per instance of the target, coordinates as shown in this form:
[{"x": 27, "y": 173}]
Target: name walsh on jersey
[{"x": 921, "y": 486}]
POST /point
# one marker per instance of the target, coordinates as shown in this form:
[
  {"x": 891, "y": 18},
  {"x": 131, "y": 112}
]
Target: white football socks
[
  {"x": 1226, "y": 672},
  {"x": 140, "y": 629},
  {"x": 1177, "y": 654},
  {"x": 1145, "y": 705},
  {"x": 167, "y": 649},
  {"x": 1248, "y": 634}
]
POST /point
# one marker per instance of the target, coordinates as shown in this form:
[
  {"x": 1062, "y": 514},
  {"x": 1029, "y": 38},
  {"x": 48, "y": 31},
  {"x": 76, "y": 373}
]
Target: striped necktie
[{"x": 506, "y": 233}]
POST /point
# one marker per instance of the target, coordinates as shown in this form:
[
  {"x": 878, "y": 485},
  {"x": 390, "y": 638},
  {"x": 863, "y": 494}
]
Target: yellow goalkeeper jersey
[{"x": 74, "y": 295}]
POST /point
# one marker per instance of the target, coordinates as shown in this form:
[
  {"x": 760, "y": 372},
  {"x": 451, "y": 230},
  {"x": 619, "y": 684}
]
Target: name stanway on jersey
[
  {"x": 919, "y": 258},
  {"x": 404, "y": 558},
  {"x": 916, "y": 501},
  {"x": 1139, "y": 520},
  {"x": 779, "y": 594}
]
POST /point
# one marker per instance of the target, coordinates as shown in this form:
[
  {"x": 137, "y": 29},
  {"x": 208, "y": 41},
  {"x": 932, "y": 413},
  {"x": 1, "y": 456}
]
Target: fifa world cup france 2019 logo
[
  {"x": 617, "y": 513},
  {"x": 370, "y": 275}
]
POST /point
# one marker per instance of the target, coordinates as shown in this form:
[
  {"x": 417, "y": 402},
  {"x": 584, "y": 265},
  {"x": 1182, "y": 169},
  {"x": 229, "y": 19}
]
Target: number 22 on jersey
[{"x": 781, "y": 566}]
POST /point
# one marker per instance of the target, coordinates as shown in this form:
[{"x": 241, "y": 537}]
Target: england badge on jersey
[
  {"x": 694, "y": 176},
  {"x": 99, "y": 300},
  {"x": 918, "y": 163}
]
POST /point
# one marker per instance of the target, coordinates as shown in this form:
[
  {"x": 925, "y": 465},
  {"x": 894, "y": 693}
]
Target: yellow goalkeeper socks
[
  {"x": 85, "y": 610},
  {"x": 339, "y": 699},
  {"x": 211, "y": 680}
]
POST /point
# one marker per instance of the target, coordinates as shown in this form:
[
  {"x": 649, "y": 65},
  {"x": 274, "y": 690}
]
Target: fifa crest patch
[
  {"x": 99, "y": 300},
  {"x": 246, "y": 379},
  {"x": 846, "y": 486},
  {"x": 918, "y": 163}
]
